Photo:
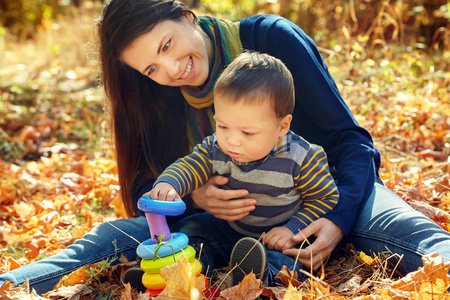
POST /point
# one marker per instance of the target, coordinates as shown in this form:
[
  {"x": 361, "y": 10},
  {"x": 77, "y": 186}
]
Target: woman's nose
[{"x": 172, "y": 67}]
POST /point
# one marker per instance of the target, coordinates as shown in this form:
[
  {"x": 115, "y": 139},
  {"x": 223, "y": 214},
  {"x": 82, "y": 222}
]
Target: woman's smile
[{"x": 189, "y": 70}]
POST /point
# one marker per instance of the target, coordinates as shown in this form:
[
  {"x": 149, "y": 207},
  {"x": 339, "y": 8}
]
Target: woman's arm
[{"x": 320, "y": 115}]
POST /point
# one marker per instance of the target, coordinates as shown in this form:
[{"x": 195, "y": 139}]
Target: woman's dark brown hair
[{"x": 148, "y": 120}]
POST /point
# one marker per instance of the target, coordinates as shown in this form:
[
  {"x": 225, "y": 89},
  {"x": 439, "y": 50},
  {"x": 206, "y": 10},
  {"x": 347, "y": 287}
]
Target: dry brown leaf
[
  {"x": 431, "y": 212},
  {"x": 69, "y": 292},
  {"x": 431, "y": 278},
  {"x": 286, "y": 277},
  {"x": 275, "y": 293},
  {"x": 77, "y": 277},
  {"x": 351, "y": 285},
  {"x": 24, "y": 210},
  {"x": 248, "y": 289},
  {"x": 180, "y": 280},
  {"x": 126, "y": 294}
]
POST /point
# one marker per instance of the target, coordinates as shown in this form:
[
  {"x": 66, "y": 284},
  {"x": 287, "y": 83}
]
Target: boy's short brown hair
[{"x": 254, "y": 76}]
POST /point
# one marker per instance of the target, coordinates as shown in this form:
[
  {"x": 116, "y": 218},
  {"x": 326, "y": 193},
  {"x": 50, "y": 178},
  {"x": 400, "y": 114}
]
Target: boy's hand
[
  {"x": 278, "y": 238},
  {"x": 163, "y": 191},
  {"x": 327, "y": 235}
]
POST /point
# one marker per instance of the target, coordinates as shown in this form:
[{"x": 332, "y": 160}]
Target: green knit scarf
[{"x": 226, "y": 46}]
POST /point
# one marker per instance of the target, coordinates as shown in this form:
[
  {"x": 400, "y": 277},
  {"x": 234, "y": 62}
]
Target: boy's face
[{"x": 247, "y": 132}]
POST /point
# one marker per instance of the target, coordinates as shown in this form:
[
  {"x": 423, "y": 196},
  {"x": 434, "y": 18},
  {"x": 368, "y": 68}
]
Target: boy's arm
[
  {"x": 192, "y": 171},
  {"x": 317, "y": 187}
]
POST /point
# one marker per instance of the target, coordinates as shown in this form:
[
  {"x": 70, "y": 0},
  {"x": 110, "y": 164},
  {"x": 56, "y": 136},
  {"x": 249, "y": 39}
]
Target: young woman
[{"x": 159, "y": 67}]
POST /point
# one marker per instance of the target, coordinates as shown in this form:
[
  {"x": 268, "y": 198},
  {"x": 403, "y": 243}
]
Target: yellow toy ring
[
  {"x": 156, "y": 282},
  {"x": 153, "y": 266}
]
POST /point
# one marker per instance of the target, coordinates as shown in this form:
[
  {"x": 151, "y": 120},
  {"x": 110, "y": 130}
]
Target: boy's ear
[{"x": 285, "y": 125}]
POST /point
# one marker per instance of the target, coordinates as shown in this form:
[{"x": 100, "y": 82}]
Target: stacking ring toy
[
  {"x": 154, "y": 281},
  {"x": 156, "y": 211},
  {"x": 147, "y": 249},
  {"x": 154, "y": 266},
  {"x": 168, "y": 208}
]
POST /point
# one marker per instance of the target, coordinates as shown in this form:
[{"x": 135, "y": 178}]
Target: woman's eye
[
  {"x": 151, "y": 70},
  {"x": 166, "y": 46}
]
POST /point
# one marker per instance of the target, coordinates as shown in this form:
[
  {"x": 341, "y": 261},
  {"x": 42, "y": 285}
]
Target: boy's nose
[{"x": 234, "y": 140}]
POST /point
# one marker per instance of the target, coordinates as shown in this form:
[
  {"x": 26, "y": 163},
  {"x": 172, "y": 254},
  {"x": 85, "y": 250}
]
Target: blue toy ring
[
  {"x": 147, "y": 248},
  {"x": 167, "y": 208}
]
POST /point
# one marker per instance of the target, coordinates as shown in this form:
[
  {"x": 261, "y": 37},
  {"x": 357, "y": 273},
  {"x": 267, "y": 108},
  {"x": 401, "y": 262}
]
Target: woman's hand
[
  {"x": 163, "y": 191},
  {"x": 222, "y": 203},
  {"x": 327, "y": 235},
  {"x": 278, "y": 238}
]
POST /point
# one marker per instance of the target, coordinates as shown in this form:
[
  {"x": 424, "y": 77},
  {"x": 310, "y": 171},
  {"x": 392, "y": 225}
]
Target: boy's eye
[
  {"x": 248, "y": 133},
  {"x": 166, "y": 46},
  {"x": 222, "y": 127}
]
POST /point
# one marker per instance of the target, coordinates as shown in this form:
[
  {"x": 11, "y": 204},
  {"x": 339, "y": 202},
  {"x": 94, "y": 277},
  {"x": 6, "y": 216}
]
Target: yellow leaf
[
  {"x": 366, "y": 259},
  {"x": 180, "y": 280},
  {"x": 292, "y": 293}
]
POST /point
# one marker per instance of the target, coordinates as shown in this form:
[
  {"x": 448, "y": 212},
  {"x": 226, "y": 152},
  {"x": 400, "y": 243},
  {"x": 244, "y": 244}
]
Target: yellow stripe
[
  {"x": 311, "y": 159},
  {"x": 313, "y": 213},
  {"x": 205, "y": 164},
  {"x": 318, "y": 191},
  {"x": 201, "y": 168},
  {"x": 307, "y": 217},
  {"x": 177, "y": 169},
  {"x": 193, "y": 172},
  {"x": 312, "y": 177},
  {"x": 308, "y": 204},
  {"x": 301, "y": 220},
  {"x": 170, "y": 175},
  {"x": 314, "y": 167}
]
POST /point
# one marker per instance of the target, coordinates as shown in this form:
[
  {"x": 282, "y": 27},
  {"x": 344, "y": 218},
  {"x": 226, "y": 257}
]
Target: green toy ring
[
  {"x": 156, "y": 282},
  {"x": 153, "y": 266}
]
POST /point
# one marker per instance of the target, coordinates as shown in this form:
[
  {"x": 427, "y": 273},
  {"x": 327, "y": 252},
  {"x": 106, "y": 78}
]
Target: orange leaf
[
  {"x": 248, "y": 288},
  {"x": 74, "y": 278},
  {"x": 287, "y": 277},
  {"x": 12, "y": 264},
  {"x": 33, "y": 251}
]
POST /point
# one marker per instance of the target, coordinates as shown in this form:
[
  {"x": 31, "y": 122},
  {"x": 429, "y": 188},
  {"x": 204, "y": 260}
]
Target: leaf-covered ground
[{"x": 58, "y": 177}]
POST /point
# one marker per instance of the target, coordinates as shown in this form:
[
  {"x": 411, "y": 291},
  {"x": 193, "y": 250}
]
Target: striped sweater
[{"x": 292, "y": 184}]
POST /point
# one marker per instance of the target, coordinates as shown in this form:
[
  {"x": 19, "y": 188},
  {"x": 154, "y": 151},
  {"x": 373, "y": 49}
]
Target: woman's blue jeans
[{"x": 386, "y": 223}]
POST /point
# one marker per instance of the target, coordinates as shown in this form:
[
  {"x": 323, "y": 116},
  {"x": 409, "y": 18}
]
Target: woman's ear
[
  {"x": 285, "y": 125},
  {"x": 188, "y": 16}
]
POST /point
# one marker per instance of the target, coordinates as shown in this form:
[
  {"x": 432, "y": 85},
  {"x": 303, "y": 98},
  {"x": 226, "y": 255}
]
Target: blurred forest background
[{"x": 58, "y": 177}]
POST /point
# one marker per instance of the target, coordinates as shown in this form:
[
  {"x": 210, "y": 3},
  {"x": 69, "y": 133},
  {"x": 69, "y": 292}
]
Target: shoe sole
[
  {"x": 248, "y": 255},
  {"x": 133, "y": 276}
]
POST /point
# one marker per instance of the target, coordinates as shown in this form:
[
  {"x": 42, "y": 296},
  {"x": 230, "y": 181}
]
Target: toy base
[{"x": 152, "y": 293}]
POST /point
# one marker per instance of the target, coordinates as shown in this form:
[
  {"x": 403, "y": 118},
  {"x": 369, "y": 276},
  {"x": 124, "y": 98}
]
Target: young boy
[{"x": 254, "y": 148}]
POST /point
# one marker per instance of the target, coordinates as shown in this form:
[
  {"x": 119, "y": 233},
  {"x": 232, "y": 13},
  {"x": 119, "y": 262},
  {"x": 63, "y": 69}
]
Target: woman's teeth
[{"x": 188, "y": 70}]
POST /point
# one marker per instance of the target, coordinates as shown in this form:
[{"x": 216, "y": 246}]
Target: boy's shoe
[
  {"x": 133, "y": 276},
  {"x": 248, "y": 255}
]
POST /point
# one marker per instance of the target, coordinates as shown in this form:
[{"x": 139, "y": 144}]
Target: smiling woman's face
[{"x": 173, "y": 53}]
